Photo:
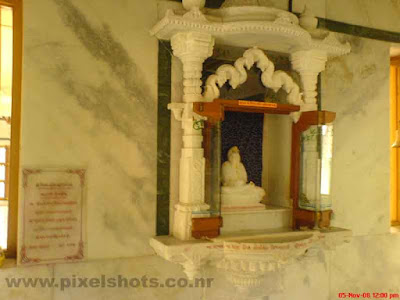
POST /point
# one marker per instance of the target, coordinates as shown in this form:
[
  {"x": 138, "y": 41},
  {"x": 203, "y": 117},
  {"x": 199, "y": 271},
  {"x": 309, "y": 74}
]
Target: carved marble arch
[{"x": 237, "y": 74}]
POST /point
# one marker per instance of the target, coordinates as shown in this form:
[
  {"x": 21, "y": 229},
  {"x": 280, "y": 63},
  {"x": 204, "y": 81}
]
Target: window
[
  {"x": 4, "y": 191},
  {"x": 394, "y": 129},
  {"x": 10, "y": 99}
]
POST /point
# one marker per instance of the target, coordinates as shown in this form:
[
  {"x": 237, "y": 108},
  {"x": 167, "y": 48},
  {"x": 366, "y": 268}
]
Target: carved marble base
[
  {"x": 248, "y": 199},
  {"x": 247, "y": 259}
]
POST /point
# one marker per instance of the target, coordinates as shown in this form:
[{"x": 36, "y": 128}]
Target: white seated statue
[{"x": 236, "y": 193}]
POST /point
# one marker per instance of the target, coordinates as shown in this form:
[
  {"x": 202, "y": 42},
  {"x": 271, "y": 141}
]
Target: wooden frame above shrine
[{"x": 215, "y": 111}]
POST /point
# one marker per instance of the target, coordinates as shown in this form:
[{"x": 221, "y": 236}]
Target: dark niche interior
[{"x": 243, "y": 129}]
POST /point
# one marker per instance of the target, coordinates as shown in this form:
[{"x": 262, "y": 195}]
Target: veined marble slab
[{"x": 89, "y": 99}]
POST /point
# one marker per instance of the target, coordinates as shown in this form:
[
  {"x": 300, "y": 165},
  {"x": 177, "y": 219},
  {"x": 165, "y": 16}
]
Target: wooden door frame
[{"x": 12, "y": 239}]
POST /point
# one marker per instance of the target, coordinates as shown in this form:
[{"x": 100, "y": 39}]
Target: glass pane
[
  {"x": 3, "y": 225},
  {"x": 212, "y": 133},
  {"x": 6, "y": 64},
  {"x": 2, "y": 155},
  {"x": 6, "y": 61},
  {"x": 2, "y": 190},
  {"x": 2, "y": 172},
  {"x": 6, "y": 16},
  {"x": 315, "y": 168},
  {"x": 326, "y": 158},
  {"x": 309, "y": 169}
]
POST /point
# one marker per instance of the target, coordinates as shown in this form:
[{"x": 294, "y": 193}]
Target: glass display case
[
  {"x": 229, "y": 183},
  {"x": 212, "y": 155},
  {"x": 312, "y": 144},
  {"x": 311, "y": 160}
]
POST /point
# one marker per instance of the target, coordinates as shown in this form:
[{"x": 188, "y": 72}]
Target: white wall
[{"x": 89, "y": 100}]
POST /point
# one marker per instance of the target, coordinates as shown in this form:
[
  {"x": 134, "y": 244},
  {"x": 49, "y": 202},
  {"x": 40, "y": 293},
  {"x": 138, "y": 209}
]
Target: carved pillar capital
[
  {"x": 192, "y": 48},
  {"x": 309, "y": 63}
]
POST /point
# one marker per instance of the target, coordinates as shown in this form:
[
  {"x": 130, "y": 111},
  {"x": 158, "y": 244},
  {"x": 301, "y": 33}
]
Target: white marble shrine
[{"x": 247, "y": 24}]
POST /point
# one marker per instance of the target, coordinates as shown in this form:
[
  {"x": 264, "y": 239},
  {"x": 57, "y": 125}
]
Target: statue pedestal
[
  {"x": 242, "y": 198},
  {"x": 268, "y": 218},
  {"x": 244, "y": 208}
]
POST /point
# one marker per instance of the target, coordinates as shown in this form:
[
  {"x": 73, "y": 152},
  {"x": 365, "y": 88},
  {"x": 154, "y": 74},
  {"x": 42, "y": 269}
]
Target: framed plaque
[{"x": 53, "y": 216}]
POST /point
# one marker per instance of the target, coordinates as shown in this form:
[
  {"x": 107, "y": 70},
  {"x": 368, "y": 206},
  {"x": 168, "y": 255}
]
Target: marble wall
[
  {"x": 89, "y": 99},
  {"x": 366, "y": 13},
  {"x": 357, "y": 88}
]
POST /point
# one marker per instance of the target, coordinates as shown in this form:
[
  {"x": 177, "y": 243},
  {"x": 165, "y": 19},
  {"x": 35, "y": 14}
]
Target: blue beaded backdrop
[{"x": 245, "y": 130}]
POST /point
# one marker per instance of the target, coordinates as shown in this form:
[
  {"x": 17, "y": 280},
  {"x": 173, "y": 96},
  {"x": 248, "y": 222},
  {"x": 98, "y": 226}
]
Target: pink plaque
[{"x": 53, "y": 219}]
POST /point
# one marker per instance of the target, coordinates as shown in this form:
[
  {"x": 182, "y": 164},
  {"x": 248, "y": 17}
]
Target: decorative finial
[
  {"x": 193, "y": 4},
  {"x": 307, "y": 19}
]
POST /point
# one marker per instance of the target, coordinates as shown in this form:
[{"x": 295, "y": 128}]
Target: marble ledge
[
  {"x": 268, "y": 209},
  {"x": 269, "y": 249},
  {"x": 175, "y": 250}
]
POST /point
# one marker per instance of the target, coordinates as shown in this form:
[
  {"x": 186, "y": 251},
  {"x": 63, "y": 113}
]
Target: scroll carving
[{"x": 237, "y": 75}]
